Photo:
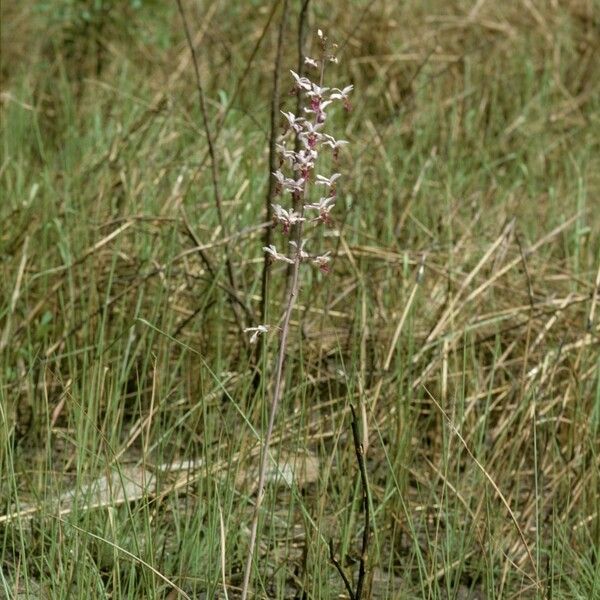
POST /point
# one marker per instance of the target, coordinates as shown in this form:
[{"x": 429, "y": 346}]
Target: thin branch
[
  {"x": 340, "y": 570},
  {"x": 273, "y": 166},
  {"x": 212, "y": 154},
  {"x": 233, "y": 295},
  {"x": 247, "y": 70},
  {"x": 359, "y": 450},
  {"x": 241, "y": 80},
  {"x": 360, "y": 458}
]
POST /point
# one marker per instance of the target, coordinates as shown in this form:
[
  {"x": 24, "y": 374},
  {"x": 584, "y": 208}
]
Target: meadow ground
[{"x": 130, "y": 413}]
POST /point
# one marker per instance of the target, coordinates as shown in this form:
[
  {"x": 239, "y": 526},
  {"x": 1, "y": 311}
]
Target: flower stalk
[{"x": 300, "y": 162}]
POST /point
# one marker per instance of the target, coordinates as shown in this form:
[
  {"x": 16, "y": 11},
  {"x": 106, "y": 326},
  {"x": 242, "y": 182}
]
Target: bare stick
[
  {"x": 364, "y": 551},
  {"x": 340, "y": 570},
  {"x": 273, "y": 166},
  {"x": 212, "y": 153},
  {"x": 232, "y": 293},
  {"x": 360, "y": 458}
]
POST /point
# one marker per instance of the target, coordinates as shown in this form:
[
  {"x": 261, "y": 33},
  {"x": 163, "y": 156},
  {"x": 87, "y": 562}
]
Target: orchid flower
[
  {"x": 304, "y": 162},
  {"x": 287, "y": 183},
  {"x": 258, "y": 330},
  {"x": 327, "y": 181},
  {"x": 300, "y": 252},
  {"x": 272, "y": 252},
  {"x": 294, "y": 121},
  {"x": 287, "y": 217},
  {"x": 302, "y": 83},
  {"x": 342, "y": 94},
  {"x": 324, "y": 206},
  {"x": 322, "y": 262},
  {"x": 331, "y": 141},
  {"x": 310, "y": 134}
]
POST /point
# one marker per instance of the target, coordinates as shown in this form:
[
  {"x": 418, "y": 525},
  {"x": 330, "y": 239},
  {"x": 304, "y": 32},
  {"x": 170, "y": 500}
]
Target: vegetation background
[{"x": 129, "y": 418}]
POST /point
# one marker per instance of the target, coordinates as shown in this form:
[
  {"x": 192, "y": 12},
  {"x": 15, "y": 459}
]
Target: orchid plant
[
  {"x": 308, "y": 131},
  {"x": 296, "y": 176}
]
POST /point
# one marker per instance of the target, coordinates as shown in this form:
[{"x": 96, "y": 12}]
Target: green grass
[{"x": 123, "y": 358}]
